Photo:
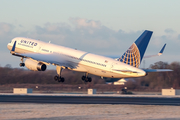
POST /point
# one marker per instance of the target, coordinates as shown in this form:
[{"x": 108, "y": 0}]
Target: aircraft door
[{"x": 37, "y": 47}]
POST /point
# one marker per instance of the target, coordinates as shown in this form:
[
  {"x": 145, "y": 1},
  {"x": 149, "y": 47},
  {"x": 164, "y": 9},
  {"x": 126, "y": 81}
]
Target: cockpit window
[{"x": 11, "y": 41}]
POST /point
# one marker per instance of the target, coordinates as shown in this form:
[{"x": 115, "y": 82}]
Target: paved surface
[{"x": 90, "y": 99}]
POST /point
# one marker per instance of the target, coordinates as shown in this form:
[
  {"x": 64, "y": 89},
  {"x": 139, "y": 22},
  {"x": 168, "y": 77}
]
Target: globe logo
[{"x": 131, "y": 56}]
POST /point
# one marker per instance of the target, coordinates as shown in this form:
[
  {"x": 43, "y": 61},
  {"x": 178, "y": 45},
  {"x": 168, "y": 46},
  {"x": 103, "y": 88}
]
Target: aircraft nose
[{"x": 9, "y": 46}]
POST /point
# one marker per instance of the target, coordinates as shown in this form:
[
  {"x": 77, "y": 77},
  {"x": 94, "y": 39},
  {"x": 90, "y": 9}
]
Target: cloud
[
  {"x": 170, "y": 37},
  {"x": 179, "y": 37},
  {"x": 88, "y": 35},
  {"x": 52, "y": 28},
  {"x": 5, "y": 28},
  {"x": 169, "y": 30},
  {"x": 80, "y": 22}
]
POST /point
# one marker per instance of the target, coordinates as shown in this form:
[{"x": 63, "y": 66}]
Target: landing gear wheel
[
  {"x": 21, "y": 64},
  {"x": 89, "y": 79},
  {"x": 83, "y": 78},
  {"x": 61, "y": 79},
  {"x": 56, "y": 78},
  {"x": 86, "y": 79}
]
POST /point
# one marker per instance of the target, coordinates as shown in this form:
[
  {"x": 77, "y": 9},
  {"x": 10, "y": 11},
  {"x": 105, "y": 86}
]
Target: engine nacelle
[{"x": 35, "y": 66}]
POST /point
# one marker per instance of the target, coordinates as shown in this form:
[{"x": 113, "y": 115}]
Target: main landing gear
[
  {"x": 22, "y": 64},
  {"x": 85, "y": 78},
  {"x": 58, "y": 77}
]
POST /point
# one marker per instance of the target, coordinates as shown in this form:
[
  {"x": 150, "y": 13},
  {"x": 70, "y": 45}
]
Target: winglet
[
  {"x": 161, "y": 51},
  {"x": 13, "y": 48}
]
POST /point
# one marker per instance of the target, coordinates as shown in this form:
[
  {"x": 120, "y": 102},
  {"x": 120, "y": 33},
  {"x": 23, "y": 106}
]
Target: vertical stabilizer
[{"x": 133, "y": 56}]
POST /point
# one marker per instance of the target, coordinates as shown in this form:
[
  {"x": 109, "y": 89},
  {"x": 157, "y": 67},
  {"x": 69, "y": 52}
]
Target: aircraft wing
[
  {"x": 157, "y": 70},
  {"x": 51, "y": 58}
]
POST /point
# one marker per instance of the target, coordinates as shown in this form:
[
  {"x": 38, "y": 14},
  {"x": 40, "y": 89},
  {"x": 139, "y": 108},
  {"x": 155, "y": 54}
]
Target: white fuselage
[{"x": 79, "y": 60}]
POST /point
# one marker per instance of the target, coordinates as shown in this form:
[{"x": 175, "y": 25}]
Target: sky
[{"x": 104, "y": 27}]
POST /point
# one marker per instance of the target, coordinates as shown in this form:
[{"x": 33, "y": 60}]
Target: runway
[{"x": 90, "y": 99}]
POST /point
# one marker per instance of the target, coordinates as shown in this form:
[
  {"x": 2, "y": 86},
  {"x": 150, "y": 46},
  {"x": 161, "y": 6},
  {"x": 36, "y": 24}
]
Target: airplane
[{"x": 39, "y": 54}]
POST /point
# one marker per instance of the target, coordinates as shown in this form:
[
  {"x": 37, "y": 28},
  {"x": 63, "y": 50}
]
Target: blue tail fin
[{"x": 133, "y": 56}]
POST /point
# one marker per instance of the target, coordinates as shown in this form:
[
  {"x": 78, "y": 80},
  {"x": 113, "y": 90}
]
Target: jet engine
[{"x": 34, "y": 65}]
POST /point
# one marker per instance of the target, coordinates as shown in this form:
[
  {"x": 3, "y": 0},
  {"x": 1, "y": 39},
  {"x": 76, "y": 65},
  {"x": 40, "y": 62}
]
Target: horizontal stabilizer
[{"x": 157, "y": 70}]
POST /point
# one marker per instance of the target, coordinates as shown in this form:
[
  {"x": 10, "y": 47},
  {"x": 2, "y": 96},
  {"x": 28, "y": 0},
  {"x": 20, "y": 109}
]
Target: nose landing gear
[{"x": 22, "y": 64}]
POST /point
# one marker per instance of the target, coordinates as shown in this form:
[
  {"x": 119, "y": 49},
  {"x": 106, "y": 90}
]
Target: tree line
[
  {"x": 154, "y": 81},
  {"x": 10, "y": 75},
  {"x": 158, "y": 80}
]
